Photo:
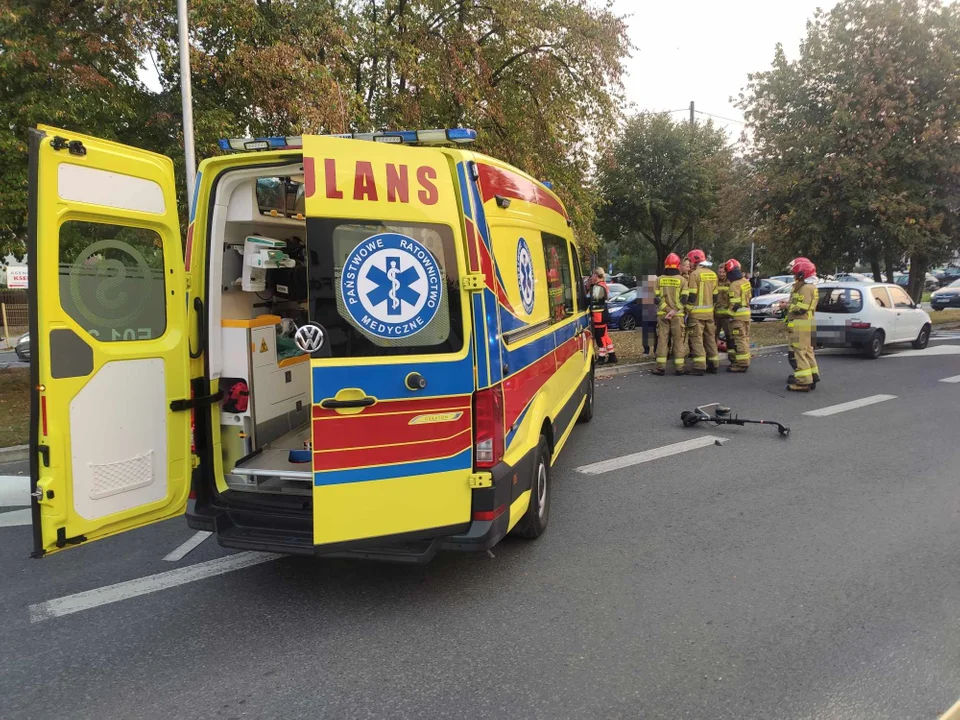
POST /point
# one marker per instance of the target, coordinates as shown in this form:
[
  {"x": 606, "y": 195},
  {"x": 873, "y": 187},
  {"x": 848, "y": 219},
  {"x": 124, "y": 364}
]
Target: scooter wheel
[
  {"x": 784, "y": 432},
  {"x": 688, "y": 418}
]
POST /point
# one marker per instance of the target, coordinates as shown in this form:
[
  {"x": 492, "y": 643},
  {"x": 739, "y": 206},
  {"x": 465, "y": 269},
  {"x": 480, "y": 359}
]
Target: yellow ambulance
[{"x": 370, "y": 345}]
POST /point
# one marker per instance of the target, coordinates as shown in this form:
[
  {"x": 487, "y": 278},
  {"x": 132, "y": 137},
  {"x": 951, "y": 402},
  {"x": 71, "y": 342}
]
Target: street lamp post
[{"x": 186, "y": 97}]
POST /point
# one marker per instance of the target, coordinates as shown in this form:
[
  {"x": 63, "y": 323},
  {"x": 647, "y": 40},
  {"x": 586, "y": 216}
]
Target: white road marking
[
  {"x": 954, "y": 379},
  {"x": 14, "y": 490},
  {"x": 146, "y": 585},
  {"x": 852, "y": 405},
  {"x": 16, "y": 518},
  {"x": 927, "y": 352},
  {"x": 617, "y": 463},
  {"x": 190, "y": 545}
]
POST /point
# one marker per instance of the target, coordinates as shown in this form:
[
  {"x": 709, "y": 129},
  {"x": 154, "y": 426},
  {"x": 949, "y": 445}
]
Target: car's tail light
[
  {"x": 860, "y": 325},
  {"x": 488, "y": 427}
]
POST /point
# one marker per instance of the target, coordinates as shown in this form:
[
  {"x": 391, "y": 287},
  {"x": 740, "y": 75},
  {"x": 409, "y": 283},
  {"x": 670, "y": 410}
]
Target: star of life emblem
[
  {"x": 525, "y": 276},
  {"x": 391, "y": 285}
]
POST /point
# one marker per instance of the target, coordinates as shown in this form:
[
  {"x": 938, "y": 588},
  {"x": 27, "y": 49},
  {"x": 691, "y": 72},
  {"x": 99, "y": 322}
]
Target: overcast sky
[{"x": 702, "y": 50}]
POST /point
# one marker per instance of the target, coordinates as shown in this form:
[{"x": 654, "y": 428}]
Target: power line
[{"x": 720, "y": 117}]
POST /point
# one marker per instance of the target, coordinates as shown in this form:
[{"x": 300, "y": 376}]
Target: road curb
[
  {"x": 605, "y": 373},
  {"x": 17, "y": 453}
]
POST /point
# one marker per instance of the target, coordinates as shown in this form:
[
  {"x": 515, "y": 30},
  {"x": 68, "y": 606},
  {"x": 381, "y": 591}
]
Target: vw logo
[{"x": 309, "y": 338}]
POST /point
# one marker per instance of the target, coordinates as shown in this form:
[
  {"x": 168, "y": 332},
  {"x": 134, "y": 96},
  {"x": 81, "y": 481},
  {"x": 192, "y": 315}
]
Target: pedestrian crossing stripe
[{"x": 946, "y": 335}]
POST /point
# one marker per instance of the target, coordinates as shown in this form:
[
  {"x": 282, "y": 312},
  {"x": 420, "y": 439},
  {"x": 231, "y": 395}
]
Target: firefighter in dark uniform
[
  {"x": 801, "y": 324},
  {"x": 599, "y": 294},
  {"x": 668, "y": 298},
  {"x": 738, "y": 342}
]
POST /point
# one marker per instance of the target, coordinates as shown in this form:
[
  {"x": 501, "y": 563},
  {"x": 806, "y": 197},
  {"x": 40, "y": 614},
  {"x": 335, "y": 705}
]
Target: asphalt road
[{"x": 811, "y": 577}]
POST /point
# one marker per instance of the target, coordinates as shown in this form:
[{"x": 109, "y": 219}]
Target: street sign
[{"x": 17, "y": 277}]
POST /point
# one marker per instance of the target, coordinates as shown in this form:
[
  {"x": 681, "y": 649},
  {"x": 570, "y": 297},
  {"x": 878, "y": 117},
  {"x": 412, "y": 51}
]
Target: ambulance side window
[
  {"x": 112, "y": 280},
  {"x": 559, "y": 283},
  {"x": 578, "y": 281}
]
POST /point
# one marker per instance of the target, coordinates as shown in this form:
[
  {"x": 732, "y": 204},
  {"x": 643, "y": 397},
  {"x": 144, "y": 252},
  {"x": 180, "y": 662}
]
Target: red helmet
[
  {"x": 793, "y": 263},
  {"x": 696, "y": 256},
  {"x": 803, "y": 269},
  {"x": 731, "y": 265},
  {"x": 672, "y": 261}
]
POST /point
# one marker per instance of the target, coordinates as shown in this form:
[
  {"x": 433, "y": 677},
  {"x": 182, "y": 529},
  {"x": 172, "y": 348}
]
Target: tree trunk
[
  {"x": 875, "y": 266},
  {"x": 889, "y": 262},
  {"x": 918, "y": 274}
]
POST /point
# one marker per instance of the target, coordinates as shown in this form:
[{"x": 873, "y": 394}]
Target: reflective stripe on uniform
[{"x": 808, "y": 372}]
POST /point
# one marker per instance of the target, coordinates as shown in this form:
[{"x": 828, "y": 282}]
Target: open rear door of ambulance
[
  {"x": 393, "y": 384},
  {"x": 110, "y": 422}
]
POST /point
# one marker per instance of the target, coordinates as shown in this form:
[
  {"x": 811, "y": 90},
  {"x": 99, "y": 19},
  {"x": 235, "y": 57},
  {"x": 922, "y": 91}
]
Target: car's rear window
[{"x": 839, "y": 300}]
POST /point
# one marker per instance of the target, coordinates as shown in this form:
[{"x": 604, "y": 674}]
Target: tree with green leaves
[
  {"x": 658, "y": 179},
  {"x": 538, "y": 80},
  {"x": 857, "y": 142},
  {"x": 72, "y": 64}
]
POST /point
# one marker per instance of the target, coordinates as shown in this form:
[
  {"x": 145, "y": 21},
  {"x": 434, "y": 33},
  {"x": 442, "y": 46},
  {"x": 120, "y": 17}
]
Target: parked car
[
  {"x": 767, "y": 286},
  {"x": 868, "y": 317},
  {"x": 628, "y": 281},
  {"x": 945, "y": 297},
  {"x": 785, "y": 279},
  {"x": 772, "y": 305},
  {"x": 930, "y": 281},
  {"x": 853, "y": 277},
  {"x": 625, "y": 311},
  {"x": 616, "y": 289},
  {"x": 946, "y": 275},
  {"x": 22, "y": 348}
]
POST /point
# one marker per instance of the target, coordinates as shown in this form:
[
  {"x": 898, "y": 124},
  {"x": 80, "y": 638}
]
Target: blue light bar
[{"x": 454, "y": 136}]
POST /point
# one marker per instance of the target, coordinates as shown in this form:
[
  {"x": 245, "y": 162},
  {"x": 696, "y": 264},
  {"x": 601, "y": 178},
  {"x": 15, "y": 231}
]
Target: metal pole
[
  {"x": 692, "y": 123},
  {"x": 6, "y": 328},
  {"x": 751, "y": 258},
  {"x": 186, "y": 96}
]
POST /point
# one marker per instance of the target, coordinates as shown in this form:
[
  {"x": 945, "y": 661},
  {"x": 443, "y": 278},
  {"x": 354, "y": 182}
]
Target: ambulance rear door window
[{"x": 384, "y": 288}]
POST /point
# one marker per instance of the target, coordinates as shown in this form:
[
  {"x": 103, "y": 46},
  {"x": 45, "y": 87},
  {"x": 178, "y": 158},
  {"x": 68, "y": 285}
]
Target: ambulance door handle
[
  {"x": 333, "y": 403},
  {"x": 198, "y": 308}
]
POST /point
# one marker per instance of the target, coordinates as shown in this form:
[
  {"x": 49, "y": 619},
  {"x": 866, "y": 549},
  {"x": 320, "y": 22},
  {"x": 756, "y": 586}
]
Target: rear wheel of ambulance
[{"x": 534, "y": 520}]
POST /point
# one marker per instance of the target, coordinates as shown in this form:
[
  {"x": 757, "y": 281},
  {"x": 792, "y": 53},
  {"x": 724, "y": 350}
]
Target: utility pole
[
  {"x": 186, "y": 98},
  {"x": 692, "y": 124}
]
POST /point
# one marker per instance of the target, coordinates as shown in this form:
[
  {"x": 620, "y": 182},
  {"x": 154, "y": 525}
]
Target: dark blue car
[{"x": 628, "y": 311}]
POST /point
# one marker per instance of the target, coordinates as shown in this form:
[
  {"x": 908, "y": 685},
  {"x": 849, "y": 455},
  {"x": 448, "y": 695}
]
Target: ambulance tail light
[{"x": 488, "y": 427}]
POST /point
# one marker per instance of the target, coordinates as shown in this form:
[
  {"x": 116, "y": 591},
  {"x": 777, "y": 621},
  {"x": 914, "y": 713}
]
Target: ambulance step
[
  {"x": 285, "y": 536},
  {"x": 274, "y": 462}
]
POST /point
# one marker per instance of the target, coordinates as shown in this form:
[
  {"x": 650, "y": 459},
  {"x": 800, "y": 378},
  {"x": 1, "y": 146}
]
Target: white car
[
  {"x": 772, "y": 305},
  {"x": 869, "y": 316}
]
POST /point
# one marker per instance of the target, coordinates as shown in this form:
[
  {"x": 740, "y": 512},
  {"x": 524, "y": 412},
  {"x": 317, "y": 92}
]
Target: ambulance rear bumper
[{"x": 291, "y": 533}]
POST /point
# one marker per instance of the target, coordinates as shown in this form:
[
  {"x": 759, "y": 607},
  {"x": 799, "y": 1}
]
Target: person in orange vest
[
  {"x": 801, "y": 323},
  {"x": 700, "y": 296},
  {"x": 668, "y": 296},
  {"x": 738, "y": 322},
  {"x": 599, "y": 294}
]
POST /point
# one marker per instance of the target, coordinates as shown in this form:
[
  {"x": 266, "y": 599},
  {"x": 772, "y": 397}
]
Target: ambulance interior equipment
[
  {"x": 258, "y": 222},
  {"x": 720, "y": 415}
]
